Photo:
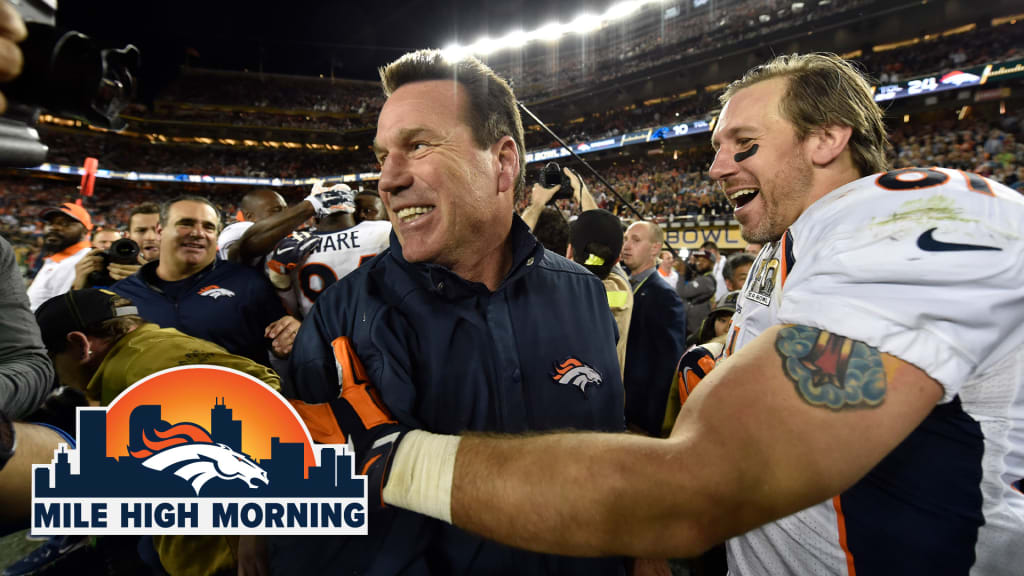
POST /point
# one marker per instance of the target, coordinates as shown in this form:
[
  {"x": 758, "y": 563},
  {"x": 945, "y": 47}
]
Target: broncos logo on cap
[
  {"x": 572, "y": 372},
  {"x": 188, "y": 452},
  {"x": 214, "y": 291}
]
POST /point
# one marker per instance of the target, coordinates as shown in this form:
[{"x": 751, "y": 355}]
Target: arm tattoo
[{"x": 830, "y": 370}]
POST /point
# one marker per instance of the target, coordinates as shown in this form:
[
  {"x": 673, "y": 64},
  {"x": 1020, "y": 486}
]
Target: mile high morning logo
[{"x": 197, "y": 450}]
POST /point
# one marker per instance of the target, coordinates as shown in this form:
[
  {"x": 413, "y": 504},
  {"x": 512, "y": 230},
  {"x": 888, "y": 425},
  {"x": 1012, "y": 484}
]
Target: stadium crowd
[
  {"x": 251, "y": 100},
  {"x": 660, "y": 188}
]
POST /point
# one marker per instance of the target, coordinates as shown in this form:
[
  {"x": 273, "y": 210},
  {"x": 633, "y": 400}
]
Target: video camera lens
[{"x": 67, "y": 73}]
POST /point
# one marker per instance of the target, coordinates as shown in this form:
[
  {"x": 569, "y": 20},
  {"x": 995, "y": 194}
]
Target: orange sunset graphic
[{"x": 188, "y": 394}]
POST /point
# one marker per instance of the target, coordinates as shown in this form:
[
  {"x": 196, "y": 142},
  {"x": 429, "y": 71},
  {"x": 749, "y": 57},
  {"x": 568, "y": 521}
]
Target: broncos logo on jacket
[
  {"x": 215, "y": 292},
  {"x": 575, "y": 373}
]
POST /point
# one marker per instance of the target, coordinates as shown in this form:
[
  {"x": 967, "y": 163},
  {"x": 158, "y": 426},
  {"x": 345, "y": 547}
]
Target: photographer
[
  {"x": 101, "y": 268},
  {"x": 546, "y": 191}
]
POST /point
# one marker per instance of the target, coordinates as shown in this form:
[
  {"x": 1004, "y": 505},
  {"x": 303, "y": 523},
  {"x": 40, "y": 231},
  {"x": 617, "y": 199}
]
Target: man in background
[
  {"x": 697, "y": 288},
  {"x": 257, "y": 205},
  {"x": 666, "y": 268},
  {"x": 657, "y": 331},
  {"x": 104, "y": 237},
  {"x": 67, "y": 241},
  {"x": 143, "y": 222},
  {"x": 595, "y": 242},
  {"x": 369, "y": 207},
  {"x": 190, "y": 289}
]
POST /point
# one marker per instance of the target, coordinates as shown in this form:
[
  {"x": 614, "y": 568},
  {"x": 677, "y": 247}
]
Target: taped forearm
[{"x": 422, "y": 473}]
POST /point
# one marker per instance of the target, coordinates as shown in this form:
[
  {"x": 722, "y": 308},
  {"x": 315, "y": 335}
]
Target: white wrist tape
[{"x": 421, "y": 474}]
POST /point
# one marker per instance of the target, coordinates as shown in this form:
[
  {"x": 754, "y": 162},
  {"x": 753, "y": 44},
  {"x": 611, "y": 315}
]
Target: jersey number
[
  {"x": 918, "y": 178},
  {"x": 310, "y": 271},
  {"x": 326, "y": 275}
]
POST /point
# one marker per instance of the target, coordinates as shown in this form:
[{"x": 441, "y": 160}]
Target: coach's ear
[
  {"x": 506, "y": 155},
  {"x": 826, "y": 144}
]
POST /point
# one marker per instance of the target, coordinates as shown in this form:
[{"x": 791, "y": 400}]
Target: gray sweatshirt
[{"x": 26, "y": 374}]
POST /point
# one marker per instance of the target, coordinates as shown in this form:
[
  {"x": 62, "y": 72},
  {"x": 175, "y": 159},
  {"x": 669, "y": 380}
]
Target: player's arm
[
  {"x": 260, "y": 238},
  {"x": 751, "y": 445},
  {"x": 34, "y": 445}
]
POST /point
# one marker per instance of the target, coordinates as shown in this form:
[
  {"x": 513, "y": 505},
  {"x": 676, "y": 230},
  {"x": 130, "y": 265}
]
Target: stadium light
[
  {"x": 549, "y": 32},
  {"x": 582, "y": 24},
  {"x": 585, "y": 23},
  {"x": 515, "y": 39},
  {"x": 622, "y": 10},
  {"x": 454, "y": 52},
  {"x": 485, "y": 46}
]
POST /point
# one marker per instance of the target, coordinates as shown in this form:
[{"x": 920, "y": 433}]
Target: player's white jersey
[
  {"x": 229, "y": 235},
  {"x": 303, "y": 265},
  {"x": 926, "y": 265}
]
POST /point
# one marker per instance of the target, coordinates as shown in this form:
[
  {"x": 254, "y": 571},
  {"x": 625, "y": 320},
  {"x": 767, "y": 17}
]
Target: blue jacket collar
[{"x": 526, "y": 251}]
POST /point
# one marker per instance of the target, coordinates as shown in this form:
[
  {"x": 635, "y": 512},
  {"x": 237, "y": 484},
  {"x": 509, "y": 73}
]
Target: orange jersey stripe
[{"x": 841, "y": 524}]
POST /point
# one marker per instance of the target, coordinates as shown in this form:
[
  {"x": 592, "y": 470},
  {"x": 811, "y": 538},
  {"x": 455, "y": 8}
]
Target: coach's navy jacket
[
  {"x": 225, "y": 303},
  {"x": 448, "y": 356}
]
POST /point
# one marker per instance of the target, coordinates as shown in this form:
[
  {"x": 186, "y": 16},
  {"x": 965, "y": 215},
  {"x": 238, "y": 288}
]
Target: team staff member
[
  {"x": 864, "y": 420},
  {"x": 190, "y": 289},
  {"x": 465, "y": 323}
]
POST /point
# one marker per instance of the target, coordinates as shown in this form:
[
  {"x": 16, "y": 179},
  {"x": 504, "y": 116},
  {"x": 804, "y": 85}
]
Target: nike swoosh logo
[
  {"x": 929, "y": 244},
  {"x": 286, "y": 249}
]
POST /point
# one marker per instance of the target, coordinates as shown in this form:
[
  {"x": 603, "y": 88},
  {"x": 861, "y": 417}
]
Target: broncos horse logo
[
  {"x": 575, "y": 373},
  {"x": 214, "y": 291},
  {"x": 188, "y": 451}
]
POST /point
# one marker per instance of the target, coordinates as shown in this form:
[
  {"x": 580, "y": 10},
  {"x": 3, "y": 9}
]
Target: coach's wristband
[{"x": 421, "y": 474}]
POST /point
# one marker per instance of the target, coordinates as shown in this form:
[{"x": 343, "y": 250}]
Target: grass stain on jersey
[{"x": 933, "y": 209}]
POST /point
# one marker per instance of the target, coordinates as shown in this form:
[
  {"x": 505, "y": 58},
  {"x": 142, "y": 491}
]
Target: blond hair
[{"x": 825, "y": 90}]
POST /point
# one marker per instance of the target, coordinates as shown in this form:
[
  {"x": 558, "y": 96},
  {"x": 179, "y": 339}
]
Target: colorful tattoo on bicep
[
  {"x": 741, "y": 156},
  {"x": 830, "y": 370}
]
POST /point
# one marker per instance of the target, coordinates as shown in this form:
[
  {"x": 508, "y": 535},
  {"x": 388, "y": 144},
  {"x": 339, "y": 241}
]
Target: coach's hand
[{"x": 366, "y": 422}]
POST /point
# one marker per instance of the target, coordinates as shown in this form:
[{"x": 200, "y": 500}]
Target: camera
[
  {"x": 551, "y": 175},
  {"x": 65, "y": 73},
  {"x": 123, "y": 251}
]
